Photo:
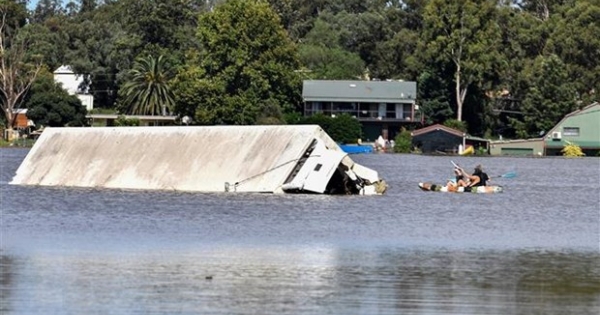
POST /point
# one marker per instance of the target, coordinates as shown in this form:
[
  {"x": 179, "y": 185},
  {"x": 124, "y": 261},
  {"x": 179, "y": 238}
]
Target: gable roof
[
  {"x": 436, "y": 127},
  {"x": 359, "y": 91},
  {"x": 585, "y": 110},
  {"x": 449, "y": 130},
  {"x": 64, "y": 70}
]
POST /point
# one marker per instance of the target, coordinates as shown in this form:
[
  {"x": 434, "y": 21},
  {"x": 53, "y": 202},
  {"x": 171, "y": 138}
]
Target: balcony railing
[{"x": 368, "y": 115}]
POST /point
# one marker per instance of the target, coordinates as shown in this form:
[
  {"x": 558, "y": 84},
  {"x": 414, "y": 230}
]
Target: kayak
[{"x": 478, "y": 189}]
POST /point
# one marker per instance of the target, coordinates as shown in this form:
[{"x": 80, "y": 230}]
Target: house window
[{"x": 571, "y": 131}]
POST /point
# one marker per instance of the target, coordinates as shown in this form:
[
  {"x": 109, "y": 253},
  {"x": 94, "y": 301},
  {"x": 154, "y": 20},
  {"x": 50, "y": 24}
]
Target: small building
[
  {"x": 445, "y": 140},
  {"x": 518, "y": 147},
  {"x": 581, "y": 127},
  {"x": 74, "y": 85},
  {"x": 382, "y": 107}
]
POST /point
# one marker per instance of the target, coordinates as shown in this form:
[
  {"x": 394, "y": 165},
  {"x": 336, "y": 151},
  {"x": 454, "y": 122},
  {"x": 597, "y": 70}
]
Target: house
[
  {"x": 21, "y": 121},
  {"x": 442, "y": 139},
  {"x": 581, "y": 127},
  {"x": 21, "y": 125},
  {"x": 74, "y": 85},
  {"x": 382, "y": 107}
]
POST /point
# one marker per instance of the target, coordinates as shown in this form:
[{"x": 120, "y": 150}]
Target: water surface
[{"x": 532, "y": 250}]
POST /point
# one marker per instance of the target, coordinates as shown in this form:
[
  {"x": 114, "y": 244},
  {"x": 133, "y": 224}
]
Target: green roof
[{"x": 359, "y": 91}]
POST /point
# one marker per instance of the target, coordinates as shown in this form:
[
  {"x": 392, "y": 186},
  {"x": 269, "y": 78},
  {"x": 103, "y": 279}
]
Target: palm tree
[{"x": 147, "y": 92}]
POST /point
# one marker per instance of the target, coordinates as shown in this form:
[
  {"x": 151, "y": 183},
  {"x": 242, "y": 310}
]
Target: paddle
[{"x": 511, "y": 174}]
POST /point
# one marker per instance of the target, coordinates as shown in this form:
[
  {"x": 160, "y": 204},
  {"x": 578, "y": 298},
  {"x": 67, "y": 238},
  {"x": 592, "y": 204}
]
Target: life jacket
[{"x": 483, "y": 178}]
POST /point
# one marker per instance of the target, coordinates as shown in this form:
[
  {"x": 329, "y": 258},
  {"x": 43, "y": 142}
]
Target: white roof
[{"x": 64, "y": 70}]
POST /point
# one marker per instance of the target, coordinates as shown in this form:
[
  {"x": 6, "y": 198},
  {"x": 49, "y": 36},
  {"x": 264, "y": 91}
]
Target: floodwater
[{"x": 533, "y": 249}]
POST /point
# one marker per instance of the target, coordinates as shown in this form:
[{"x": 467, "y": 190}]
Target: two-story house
[
  {"x": 73, "y": 84},
  {"x": 382, "y": 107}
]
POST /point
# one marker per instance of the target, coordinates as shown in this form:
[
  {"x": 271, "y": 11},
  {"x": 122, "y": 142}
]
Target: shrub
[
  {"x": 572, "y": 150},
  {"x": 403, "y": 142},
  {"x": 342, "y": 128},
  {"x": 122, "y": 121}
]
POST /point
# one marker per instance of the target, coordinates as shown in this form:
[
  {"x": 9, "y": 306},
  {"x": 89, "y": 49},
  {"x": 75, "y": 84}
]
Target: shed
[
  {"x": 519, "y": 147},
  {"x": 442, "y": 139}
]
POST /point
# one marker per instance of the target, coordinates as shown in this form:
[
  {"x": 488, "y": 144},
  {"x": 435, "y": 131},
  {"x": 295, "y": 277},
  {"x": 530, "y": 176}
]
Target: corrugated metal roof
[{"x": 359, "y": 91}]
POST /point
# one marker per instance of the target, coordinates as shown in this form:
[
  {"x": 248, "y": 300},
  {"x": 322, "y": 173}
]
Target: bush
[
  {"x": 342, "y": 128},
  {"x": 403, "y": 142},
  {"x": 122, "y": 121},
  {"x": 572, "y": 150}
]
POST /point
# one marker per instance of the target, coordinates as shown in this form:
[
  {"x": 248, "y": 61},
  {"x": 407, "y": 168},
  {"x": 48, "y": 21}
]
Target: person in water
[{"x": 478, "y": 178}]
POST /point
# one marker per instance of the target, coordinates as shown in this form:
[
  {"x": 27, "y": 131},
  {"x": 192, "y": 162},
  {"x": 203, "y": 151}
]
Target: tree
[
  {"x": 465, "y": 33},
  {"x": 17, "y": 68},
  {"x": 322, "y": 54},
  {"x": 574, "y": 38},
  {"x": 550, "y": 97},
  {"x": 50, "y": 105},
  {"x": 147, "y": 91},
  {"x": 46, "y": 9},
  {"x": 247, "y": 64}
]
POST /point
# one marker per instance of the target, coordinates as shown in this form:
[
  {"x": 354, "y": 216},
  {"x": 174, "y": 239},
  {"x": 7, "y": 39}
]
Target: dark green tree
[
  {"x": 341, "y": 128},
  {"x": 549, "y": 98},
  {"x": 321, "y": 53},
  {"x": 46, "y": 9},
  {"x": 51, "y": 106},
  {"x": 247, "y": 60}
]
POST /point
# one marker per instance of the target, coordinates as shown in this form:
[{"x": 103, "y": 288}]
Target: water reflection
[{"x": 305, "y": 281}]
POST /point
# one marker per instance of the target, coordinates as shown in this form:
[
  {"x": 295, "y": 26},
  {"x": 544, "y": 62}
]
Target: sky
[{"x": 32, "y": 4}]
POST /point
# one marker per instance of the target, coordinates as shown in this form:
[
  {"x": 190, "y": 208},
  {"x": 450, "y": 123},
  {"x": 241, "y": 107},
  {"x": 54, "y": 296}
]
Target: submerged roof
[{"x": 260, "y": 158}]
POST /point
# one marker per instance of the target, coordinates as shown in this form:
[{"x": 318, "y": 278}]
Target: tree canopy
[{"x": 242, "y": 62}]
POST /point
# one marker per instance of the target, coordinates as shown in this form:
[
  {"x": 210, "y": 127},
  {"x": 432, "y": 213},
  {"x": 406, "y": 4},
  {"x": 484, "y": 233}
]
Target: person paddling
[
  {"x": 459, "y": 180},
  {"x": 478, "y": 178}
]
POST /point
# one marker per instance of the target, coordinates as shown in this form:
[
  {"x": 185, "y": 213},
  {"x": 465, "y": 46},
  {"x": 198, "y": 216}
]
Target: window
[{"x": 571, "y": 131}]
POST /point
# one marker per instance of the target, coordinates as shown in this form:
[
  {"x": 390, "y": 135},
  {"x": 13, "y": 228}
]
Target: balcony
[{"x": 366, "y": 112}]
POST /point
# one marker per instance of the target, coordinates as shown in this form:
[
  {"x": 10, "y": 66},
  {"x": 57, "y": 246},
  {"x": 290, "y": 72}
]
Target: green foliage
[
  {"x": 147, "y": 91},
  {"x": 463, "y": 35},
  {"x": 342, "y": 128},
  {"x": 403, "y": 142},
  {"x": 123, "y": 121},
  {"x": 331, "y": 63},
  {"x": 550, "y": 96},
  {"x": 434, "y": 101},
  {"x": 572, "y": 150},
  {"x": 236, "y": 60},
  {"x": 50, "y": 105},
  {"x": 247, "y": 60},
  {"x": 455, "y": 124}
]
